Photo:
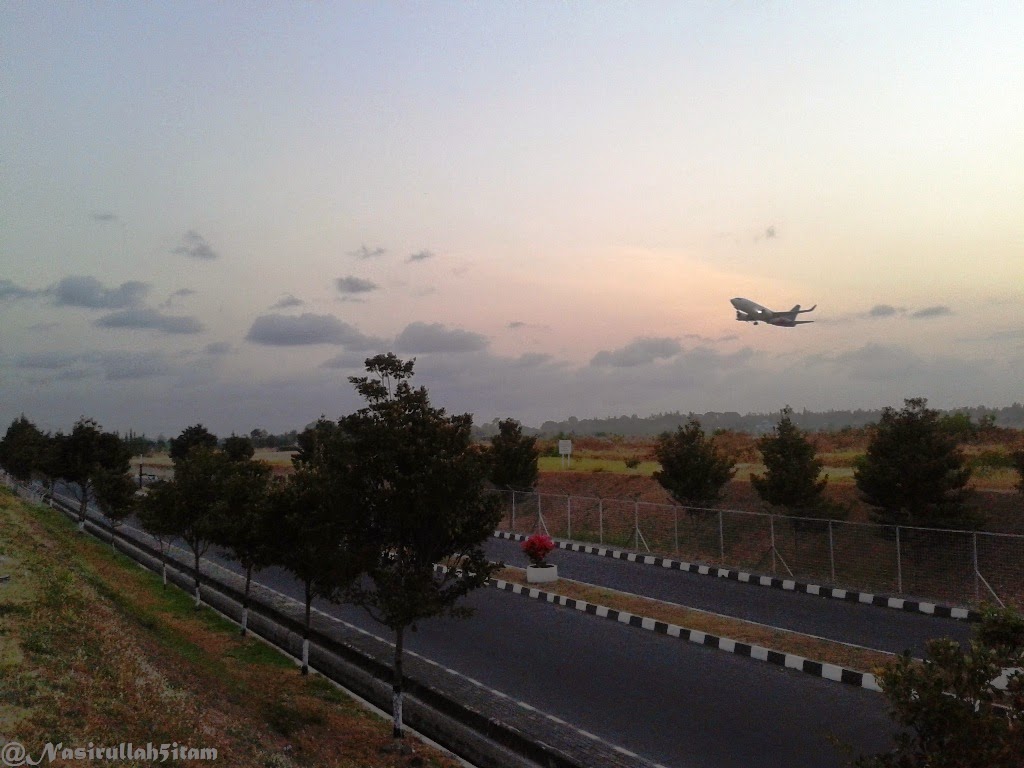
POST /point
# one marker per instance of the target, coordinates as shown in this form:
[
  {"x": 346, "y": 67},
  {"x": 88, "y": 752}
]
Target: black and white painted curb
[
  {"x": 788, "y": 660},
  {"x": 792, "y": 585}
]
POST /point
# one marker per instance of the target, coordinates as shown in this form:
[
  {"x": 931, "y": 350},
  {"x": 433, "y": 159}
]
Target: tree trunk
[
  {"x": 81, "y": 511},
  {"x": 245, "y": 600},
  {"x": 396, "y": 687},
  {"x": 198, "y": 594},
  {"x": 305, "y": 631}
]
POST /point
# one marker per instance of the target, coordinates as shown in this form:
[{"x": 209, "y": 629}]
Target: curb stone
[{"x": 791, "y": 585}]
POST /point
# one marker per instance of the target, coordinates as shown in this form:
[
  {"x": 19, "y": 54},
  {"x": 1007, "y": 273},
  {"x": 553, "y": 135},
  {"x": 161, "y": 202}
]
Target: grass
[
  {"x": 775, "y": 639},
  {"x": 93, "y": 649}
]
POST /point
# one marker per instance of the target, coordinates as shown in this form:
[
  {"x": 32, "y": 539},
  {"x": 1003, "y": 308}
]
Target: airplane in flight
[{"x": 751, "y": 312}]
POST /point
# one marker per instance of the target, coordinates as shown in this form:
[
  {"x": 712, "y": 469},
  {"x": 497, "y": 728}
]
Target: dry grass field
[{"x": 92, "y": 649}]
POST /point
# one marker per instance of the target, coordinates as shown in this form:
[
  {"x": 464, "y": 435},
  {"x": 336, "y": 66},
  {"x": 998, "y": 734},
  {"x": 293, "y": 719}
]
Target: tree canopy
[
  {"x": 419, "y": 485},
  {"x": 20, "y": 448},
  {"x": 692, "y": 470},
  {"x": 792, "y": 470},
  {"x": 913, "y": 471},
  {"x": 513, "y": 457}
]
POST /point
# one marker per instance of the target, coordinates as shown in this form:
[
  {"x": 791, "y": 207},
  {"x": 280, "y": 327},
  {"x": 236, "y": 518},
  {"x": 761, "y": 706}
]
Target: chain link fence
[{"x": 958, "y": 567}]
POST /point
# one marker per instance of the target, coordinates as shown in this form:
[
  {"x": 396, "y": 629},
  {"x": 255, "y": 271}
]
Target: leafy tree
[
  {"x": 513, "y": 457},
  {"x": 913, "y": 472},
  {"x": 693, "y": 470},
  {"x": 791, "y": 479},
  {"x": 191, "y": 437},
  {"x": 21, "y": 448},
  {"x": 239, "y": 448},
  {"x": 420, "y": 489},
  {"x": 951, "y": 709},
  {"x": 115, "y": 496},
  {"x": 157, "y": 516},
  {"x": 244, "y": 518},
  {"x": 314, "y": 537},
  {"x": 1018, "y": 464},
  {"x": 88, "y": 459},
  {"x": 194, "y": 502}
]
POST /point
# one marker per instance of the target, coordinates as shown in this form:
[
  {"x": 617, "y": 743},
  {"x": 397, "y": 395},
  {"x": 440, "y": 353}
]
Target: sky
[{"x": 215, "y": 212}]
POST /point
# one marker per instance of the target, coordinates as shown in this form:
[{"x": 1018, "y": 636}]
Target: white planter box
[{"x": 541, "y": 574}]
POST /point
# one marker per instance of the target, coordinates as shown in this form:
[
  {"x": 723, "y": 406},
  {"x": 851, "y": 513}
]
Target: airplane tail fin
[{"x": 794, "y": 310}]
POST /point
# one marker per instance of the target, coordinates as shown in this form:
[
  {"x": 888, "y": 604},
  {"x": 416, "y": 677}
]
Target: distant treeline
[{"x": 753, "y": 423}]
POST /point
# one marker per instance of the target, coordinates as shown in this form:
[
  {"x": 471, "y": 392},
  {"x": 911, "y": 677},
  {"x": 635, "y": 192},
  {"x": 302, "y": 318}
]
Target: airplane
[{"x": 751, "y": 312}]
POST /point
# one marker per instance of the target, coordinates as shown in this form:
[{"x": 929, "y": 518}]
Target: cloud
[
  {"x": 641, "y": 351},
  {"x": 195, "y": 246},
  {"x": 301, "y": 330},
  {"x": 104, "y": 216},
  {"x": 218, "y": 348},
  {"x": 85, "y": 291},
  {"x": 150, "y": 319},
  {"x": 420, "y": 256},
  {"x": 118, "y": 366},
  {"x": 181, "y": 293},
  {"x": 354, "y": 285},
  {"x": 533, "y": 359},
  {"x": 288, "y": 301},
  {"x": 8, "y": 290},
  {"x": 366, "y": 253},
  {"x": 936, "y": 311},
  {"x": 434, "y": 337},
  {"x": 345, "y": 361},
  {"x": 50, "y": 361},
  {"x": 884, "y": 310}
]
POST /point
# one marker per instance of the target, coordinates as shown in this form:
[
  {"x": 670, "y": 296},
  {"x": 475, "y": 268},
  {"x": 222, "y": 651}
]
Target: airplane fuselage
[{"x": 748, "y": 311}]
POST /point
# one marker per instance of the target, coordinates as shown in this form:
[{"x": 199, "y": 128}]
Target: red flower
[{"x": 537, "y": 547}]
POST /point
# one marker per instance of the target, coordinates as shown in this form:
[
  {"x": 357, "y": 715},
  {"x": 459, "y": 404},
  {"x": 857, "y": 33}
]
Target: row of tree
[
  {"x": 377, "y": 499},
  {"x": 913, "y": 472}
]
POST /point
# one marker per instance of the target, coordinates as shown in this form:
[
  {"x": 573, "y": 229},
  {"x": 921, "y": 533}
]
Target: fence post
[
  {"x": 568, "y": 516},
  {"x": 721, "y": 537},
  {"x": 600, "y": 520},
  {"x": 771, "y": 520},
  {"x": 831, "y": 553},
  {"x": 636, "y": 524},
  {"x": 977, "y": 573},
  {"x": 675, "y": 526},
  {"x": 899, "y": 563},
  {"x": 513, "y": 511}
]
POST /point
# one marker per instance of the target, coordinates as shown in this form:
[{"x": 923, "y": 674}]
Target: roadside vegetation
[{"x": 144, "y": 666}]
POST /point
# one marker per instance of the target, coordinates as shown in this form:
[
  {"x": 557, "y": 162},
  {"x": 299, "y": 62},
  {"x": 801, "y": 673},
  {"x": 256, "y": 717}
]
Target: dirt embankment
[{"x": 1004, "y": 511}]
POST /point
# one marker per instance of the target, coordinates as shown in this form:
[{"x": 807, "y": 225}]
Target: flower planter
[{"x": 541, "y": 574}]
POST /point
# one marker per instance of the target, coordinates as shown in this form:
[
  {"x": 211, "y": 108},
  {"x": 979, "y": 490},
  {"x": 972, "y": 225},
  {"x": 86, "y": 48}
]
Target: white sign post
[{"x": 565, "y": 452}]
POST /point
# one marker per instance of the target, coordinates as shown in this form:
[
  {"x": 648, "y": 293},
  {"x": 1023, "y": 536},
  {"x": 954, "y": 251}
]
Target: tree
[
  {"x": 513, "y": 457},
  {"x": 238, "y": 448},
  {"x": 89, "y": 458},
  {"x": 951, "y": 709},
  {"x": 115, "y": 496},
  {"x": 913, "y": 472},
  {"x": 157, "y": 516},
  {"x": 420, "y": 489},
  {"x": 244, "y": 516},
  {"x": 191, "y": 437},
  {"x": 314, "y": 536},
  {"x": 21, "y": 448},
  {"x": 194, "y": 501},
  {"x": 792, "y": 471},
  {"x": 1018, "y": 464},
  {"x": 692, "y": 468}
]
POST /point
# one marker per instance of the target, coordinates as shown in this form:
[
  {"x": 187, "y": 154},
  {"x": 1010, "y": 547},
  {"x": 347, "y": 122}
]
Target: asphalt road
[
  {"x": 870, "y": 626},
  {"x": 672, "y": 702}
]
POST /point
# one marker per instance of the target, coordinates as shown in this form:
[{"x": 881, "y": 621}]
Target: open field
[{"x": 92, "y": 649}]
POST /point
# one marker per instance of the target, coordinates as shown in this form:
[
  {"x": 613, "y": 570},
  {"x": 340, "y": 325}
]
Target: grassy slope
[{"x": 92, "y": 649}]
